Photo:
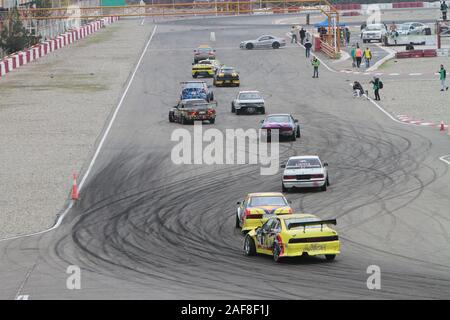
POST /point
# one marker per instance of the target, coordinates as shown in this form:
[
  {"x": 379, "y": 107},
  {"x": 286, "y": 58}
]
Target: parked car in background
[
  {"x": 373, "y": 32},
  {"x": 413, "y": 28}
]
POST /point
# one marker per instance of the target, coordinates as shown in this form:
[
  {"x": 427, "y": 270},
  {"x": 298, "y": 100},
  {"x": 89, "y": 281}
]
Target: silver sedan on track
[{"x": 265, "y": 41}]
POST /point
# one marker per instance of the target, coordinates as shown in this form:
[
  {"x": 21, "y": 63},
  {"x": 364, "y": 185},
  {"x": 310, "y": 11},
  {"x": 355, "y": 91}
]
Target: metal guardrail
[
  {"x": 176, "y": 9},
  {"x": 328, "y": 49}
]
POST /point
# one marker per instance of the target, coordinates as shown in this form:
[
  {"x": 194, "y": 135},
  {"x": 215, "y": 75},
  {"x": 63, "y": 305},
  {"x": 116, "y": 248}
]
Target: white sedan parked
[{"x": 305, "y": 172}]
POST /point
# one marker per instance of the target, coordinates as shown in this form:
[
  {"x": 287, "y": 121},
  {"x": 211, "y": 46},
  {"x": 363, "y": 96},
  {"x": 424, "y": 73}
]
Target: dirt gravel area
[{"x": 51, "y": 113}]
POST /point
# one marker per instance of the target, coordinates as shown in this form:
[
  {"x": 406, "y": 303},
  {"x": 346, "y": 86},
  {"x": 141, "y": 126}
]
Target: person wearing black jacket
[
  {"x": 308, "y": 46},
  {"x": 357, "y": 89},
  {"x": 302, "y": 35}
]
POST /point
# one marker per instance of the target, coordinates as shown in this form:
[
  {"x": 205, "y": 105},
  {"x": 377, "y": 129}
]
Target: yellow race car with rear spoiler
[
  {"x": 256, "y": 207},
  {"x": 293, "y": 235}
]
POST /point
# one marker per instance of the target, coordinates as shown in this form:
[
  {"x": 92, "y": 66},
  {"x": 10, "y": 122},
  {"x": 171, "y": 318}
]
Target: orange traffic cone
[
  {"x": 442, "y": 126},
  {"x": 74, "y": 188}
]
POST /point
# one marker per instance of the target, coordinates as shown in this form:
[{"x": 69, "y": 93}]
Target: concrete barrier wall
[{"x": 28, "y": 55}]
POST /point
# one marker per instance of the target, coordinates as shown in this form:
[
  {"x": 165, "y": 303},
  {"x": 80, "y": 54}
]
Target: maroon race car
[{"x": 287, "y": 126}]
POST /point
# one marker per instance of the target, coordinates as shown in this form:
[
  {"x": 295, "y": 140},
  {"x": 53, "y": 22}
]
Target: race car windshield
[
  {"x": 374, "y": 27},
  {"x": 204, "y": 50},
  {"x": 205, "y": 62},
  {"x": 304, "y": 163},
  {"x": 249, "y": 96},
  {"x": 278, "y": 119},
  {"x": 267, "y": 201},
  {"x": 197, "y": 85},
  {"x": 293, "y": 223}
]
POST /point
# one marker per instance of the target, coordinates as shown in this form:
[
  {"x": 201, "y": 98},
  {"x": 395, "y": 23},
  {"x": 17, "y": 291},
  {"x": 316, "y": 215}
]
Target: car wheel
[
  {"x": 276, "y": 252},
  {"x": 324, "y": 187},
  {"x": 328, "y": 182},
  {"x": 263, "y": 110},
  {"x": 233, "y": 110},
  {"x": 330, "y": 257},
  {"x": 294, "y": 136},
  {"x": 298, "y": 132},
  {"x": 249, "y": 246},
  {"x": 283, "y": 188},
  {"x": 237, "y": 222},
  {"x": 238, "y": 112},
  {"x": 211, "y": 96},
  {"x": 249, "y": 46},
  {"x": 183, "y": 120},
  {"x": 275, "y": 45},
  {"x": 171, "y": 117},
  {"x": 194, "y": 75},
  {"x": 212, "y": 121}
]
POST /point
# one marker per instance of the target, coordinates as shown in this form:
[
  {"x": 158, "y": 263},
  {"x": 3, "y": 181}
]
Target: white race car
[{"x": 305, "y": 172}]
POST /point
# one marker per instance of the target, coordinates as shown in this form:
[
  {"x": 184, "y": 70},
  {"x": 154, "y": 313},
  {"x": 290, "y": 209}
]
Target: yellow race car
[
  {"x": 293, "y": 235},
  {"x": 205, "y": 68},
  {"x": 226, "y": 76},
  {"x": 256, "y": 207}
]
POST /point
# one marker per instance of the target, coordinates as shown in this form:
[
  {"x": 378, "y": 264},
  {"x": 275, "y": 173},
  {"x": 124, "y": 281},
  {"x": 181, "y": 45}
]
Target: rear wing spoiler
[
  {"x": 312, "y": 223},
  {"x": 212, "y": 104},
  {"x": 198, "y": 81}
]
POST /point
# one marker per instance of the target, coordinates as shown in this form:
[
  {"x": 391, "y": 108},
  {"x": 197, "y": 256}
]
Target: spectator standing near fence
[
  {"x": 347, "y": 35},
  {"x": 352, "y": 54},
  {"x": 308, "y": 46},
  {"x": 358, "y": 55},
  {"x": 443, "y": 78},
  {"x": 367, "y": 57},
  {"x": 315, "y": 63}
]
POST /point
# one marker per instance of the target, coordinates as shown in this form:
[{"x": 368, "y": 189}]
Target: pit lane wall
[{"x": 28, "y": 55}]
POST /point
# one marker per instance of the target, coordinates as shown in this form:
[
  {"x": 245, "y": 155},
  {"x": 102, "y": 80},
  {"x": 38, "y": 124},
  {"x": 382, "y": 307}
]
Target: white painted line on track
[
  {"x": 212, "y": 36},
  {"x": 381, "y": 109},
  {"x": 391, "y": 54},
  {"x": 394, "y": 74},
  {"x": 443, "y": 158},
  {"x": 143, "y": 21},
  {"x": 99, "y": 147},
  {"x": 415, "y": 74},
  {"x": 22, "y": 285}
]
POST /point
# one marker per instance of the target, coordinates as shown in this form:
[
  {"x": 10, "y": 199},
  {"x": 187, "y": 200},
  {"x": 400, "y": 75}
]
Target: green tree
[{"x": 14, "y": 36}]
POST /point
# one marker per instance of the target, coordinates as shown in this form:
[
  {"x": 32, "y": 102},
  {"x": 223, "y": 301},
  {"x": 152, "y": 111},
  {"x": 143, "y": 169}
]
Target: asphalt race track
[{"x": 148, "y": 229}]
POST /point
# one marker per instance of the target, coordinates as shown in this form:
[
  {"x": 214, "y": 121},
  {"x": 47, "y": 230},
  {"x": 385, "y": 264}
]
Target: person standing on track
[
  {"x": 358, "y": 55},
  {"x": 443, "y": 78},
  {"x": 308, "y": 46},
  {"x": 315, "y": 63},
  {"x": 444, "y": 8},
  {"x": 302, "y": 35},
  {"x": 367, "y": 56},
  {"x": 377, "y": 85},
  {"x": 293, "y": 34}
]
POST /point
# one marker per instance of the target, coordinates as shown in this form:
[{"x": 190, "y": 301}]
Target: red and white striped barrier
[{"x": 25, "y": 56}]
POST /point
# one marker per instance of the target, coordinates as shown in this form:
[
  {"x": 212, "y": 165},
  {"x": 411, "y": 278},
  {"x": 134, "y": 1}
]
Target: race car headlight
[{"x": 221, "y": 74}]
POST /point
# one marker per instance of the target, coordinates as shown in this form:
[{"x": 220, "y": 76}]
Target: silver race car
[{"x": 265, "y": 41}]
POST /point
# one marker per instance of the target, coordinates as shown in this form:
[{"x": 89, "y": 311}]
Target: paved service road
[{"x": 146, "y": 228}]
